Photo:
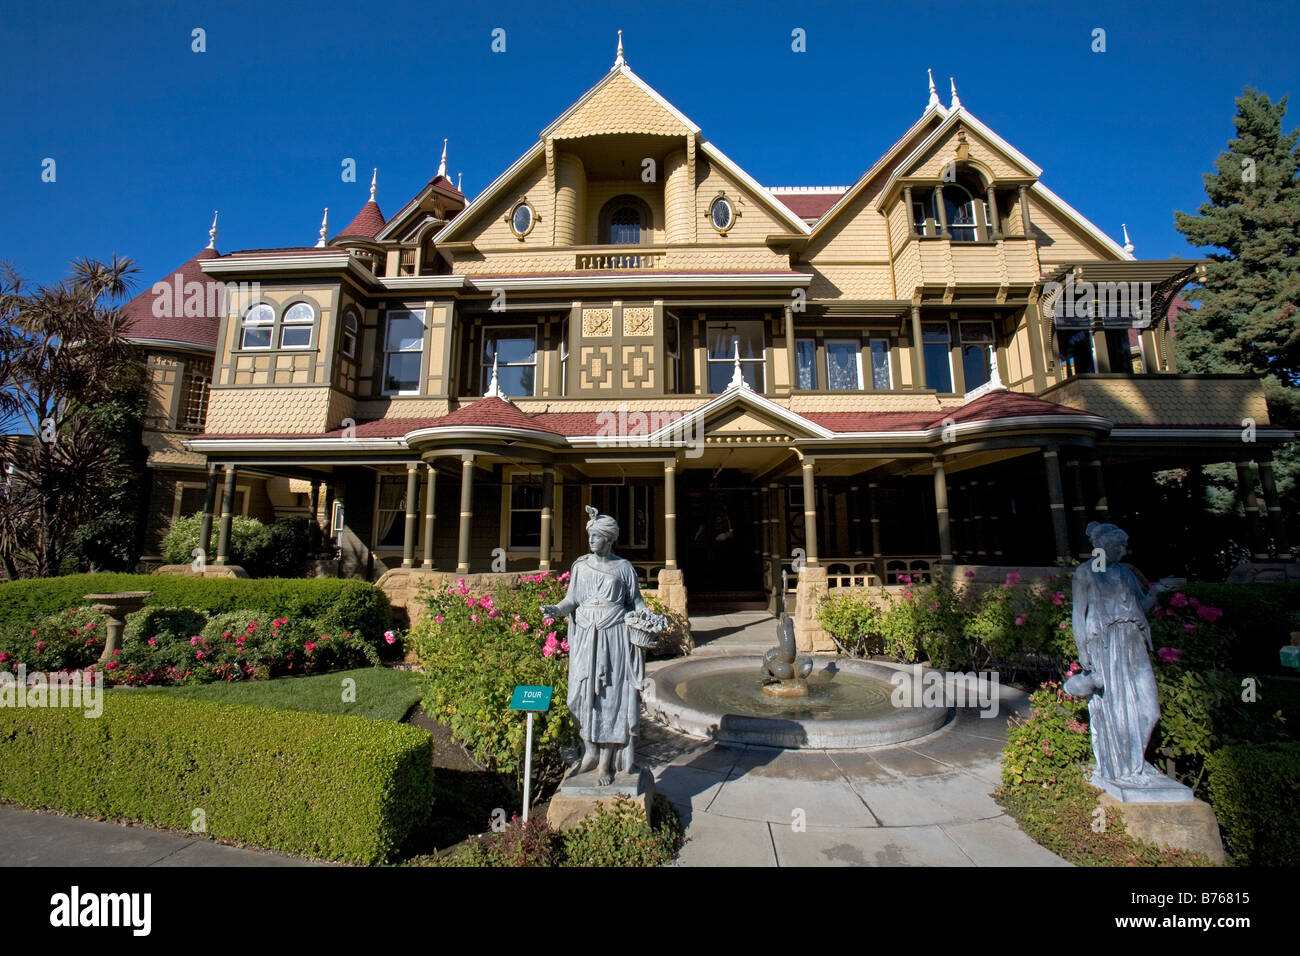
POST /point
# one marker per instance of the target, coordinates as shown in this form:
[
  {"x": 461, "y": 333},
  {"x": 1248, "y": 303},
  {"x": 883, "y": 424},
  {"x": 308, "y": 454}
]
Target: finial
[
  {"x": 1128, "y": 245},
  {"x": 212, "y": 233},
  {"x": 458, "y": 175},
  {"x": 618, "y": 60},
  {"x": 324, "y": 229},
  {"x": 737, "y": 376},
  {"x": 494, "y": 385},
  {"x": 374, "y": 183},
  {"x": 934, "y": 95},
  {"x": 956, "y": 100},
  {"x": 442, "y": 164}
]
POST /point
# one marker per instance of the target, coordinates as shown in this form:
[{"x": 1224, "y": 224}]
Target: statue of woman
[
  {"x": 1114, "y": 642},
  {"x": 605, "y": 668}
]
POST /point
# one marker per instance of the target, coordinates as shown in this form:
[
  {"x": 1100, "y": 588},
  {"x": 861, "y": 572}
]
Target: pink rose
[
  {"x": 390, "y": 637},
  {"x": 152, "y": 641},
  {"x": 193, "y": 641},
  {"x": 548, "y": 651},
  {"x": 438, "y": 619},
  {"x": 970, "y": 574},
  {"x": 564, "y": 645},
  {"x": 198, "y": 654},
  {"x": 1208, "y": 614},
  {"x": 309, "y": 647},
  {"x": 1058, "y": 598},
  {"x": 1178, "y": 600},
  {"x": 1170, "y": 655},
  {"x": 1021, "y": 620},
  {"x": 495, "y": 612}
]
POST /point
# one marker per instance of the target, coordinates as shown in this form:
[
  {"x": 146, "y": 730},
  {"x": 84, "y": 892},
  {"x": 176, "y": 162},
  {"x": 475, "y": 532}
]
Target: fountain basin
[{"x": 849, "y": 705}]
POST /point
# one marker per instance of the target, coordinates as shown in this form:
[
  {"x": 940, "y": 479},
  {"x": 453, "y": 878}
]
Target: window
[
  {"x": 1075, "y": 347},
  {"x": 725, "y": 338},
  {"x": 938, "y": 360},
  {"x": 525, "y": 513},
  {"x": 805, "y": 357},
  {"x": 882, "y": 378},
  {"x": 960, "y": 209},
  {"x": 924, "y": 219},
  {"x": 193, "y": 410},
  {"x": 295, "y": 327},
  {"x": 515, "y": 351},
  {"x": 257, "y": 327},
  {"x": 350, "y": 328},
  {"x": 522, "y": 219},
  {"x": 843, "y": 365},
  {"x": 625, "y": 226},
  {"x": 629, "y": 505},
  {"x": 403, "y": 346},
  {"x": 721, "y": 214},
  {"x": 390, "y": 511},
  {"x": 976, "y": 353}
]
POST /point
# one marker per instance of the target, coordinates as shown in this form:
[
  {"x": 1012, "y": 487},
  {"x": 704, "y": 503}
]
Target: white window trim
[
  {"x": 245, "y": 324},
  {"x": 485, "y": 364},
  {"x": 857, "y": 345},
  {"x": 388, "y": 315},
  {"x": 309, "y": 324}
]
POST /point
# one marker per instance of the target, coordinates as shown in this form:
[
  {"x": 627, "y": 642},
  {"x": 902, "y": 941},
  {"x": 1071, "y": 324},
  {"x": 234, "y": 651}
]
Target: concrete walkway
[{"x": 924, "y": 803}]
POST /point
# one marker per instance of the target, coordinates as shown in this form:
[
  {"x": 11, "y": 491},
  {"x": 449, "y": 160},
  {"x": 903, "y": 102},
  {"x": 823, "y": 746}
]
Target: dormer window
[
  {"x": 257, "y": 328},
  {"x": 295, "y": 329},
  {"x": 624, "y": 221}
]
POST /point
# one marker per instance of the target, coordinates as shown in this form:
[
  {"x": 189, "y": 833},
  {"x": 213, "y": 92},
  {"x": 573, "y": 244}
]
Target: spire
[
  {"x": 956, "y": 100},
  {"x": 1128, "y": 245},
  {"x": 494, "y": 385},
  {"x": 618, "y": 60},
  {"x": 442, "y": 164},
  {"x": 934, "y": 96},
  {"x": 324, "y": 229},
  {"x": 737, "y": 376},
  {"x": 374, "y": 183},
  {"x": 212, "y": 233}
]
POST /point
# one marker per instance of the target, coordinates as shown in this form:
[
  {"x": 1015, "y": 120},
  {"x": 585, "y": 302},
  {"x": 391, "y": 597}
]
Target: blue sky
[{"x": 149, "y": 137}]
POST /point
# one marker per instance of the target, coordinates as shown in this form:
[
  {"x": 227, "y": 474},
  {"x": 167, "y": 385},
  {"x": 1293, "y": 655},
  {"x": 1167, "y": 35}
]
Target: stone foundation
[{"x": 579, "y": 796}]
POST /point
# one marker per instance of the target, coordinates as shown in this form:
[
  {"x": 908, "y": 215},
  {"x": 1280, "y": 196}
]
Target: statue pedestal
[
  {"x": 1182, "y": 825},
  {"x": 580, "y": 795},
  {"x": 1162, "y": 789}
]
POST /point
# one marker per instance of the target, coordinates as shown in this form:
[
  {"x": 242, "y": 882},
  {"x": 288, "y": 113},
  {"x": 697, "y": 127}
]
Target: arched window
[
  {"x": 960, "y": 209},
  {"x": 257, "y": 327},
  {"x": 350, "y": 327},
  {"x": 623, "y": 221}
]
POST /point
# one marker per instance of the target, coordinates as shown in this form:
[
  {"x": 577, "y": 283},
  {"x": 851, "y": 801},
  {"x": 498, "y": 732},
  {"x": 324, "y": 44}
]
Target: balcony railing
[
  {"x": 861, "y": 572},
  {"x": 621, "y": 261}
]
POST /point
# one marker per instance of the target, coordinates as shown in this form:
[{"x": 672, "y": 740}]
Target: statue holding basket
[{"x": 609, "y": 628}]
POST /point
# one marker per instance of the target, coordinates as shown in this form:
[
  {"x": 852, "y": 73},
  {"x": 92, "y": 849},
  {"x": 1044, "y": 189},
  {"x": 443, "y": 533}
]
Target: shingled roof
[
  {"x": 366, "y": 224},
  {"x": 174, "y": 325}
]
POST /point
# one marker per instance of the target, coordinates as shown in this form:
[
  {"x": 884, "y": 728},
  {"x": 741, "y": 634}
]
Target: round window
[
  {"x": 521, "y": 220},
  {"x": 722, "y": 214}
]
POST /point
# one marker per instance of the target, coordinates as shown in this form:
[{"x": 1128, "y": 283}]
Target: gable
[
  {"x": 932, "y": 161},
  {"x": 619, "y": 104}
]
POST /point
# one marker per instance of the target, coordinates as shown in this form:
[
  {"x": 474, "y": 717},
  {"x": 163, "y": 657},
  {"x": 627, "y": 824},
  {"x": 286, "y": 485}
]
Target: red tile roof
[
  {"x": 174, "y": 325},
  {"x": 367, "y": 223},
  {"x": 809, "y": 205}
]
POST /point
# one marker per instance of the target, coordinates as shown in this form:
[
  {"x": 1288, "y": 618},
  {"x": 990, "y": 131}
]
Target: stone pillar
[
  {"x": 227, "y": 516},
  {"x": 941, "y": 512},
  {"x": 877, "y": 556},
  {"x": 548, "y": 503},
  {"x": 466, "y": 512},
  {"x": 430, "y": 506},
  {"x": 1079, "y": 508},
  {"x": 1254, "y": 524},
  {"x": 412, "y": 514},
  {"x": 1272, "y": 501},
  {"x": 1056, "y": 499},
  {"x": 918, "y": 359},
  {"x": 209, "y": 504},
  {"x": 809, "y": 514},
  {"x": 670, "y": 514}
]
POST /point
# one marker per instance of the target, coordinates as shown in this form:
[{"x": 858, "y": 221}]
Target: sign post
[{"x": 530, "y": 699}]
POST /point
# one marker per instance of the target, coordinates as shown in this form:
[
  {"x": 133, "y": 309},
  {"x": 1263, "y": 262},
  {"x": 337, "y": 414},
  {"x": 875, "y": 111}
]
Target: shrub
[
  {"x": 70, "y": 640},
  {"x": 1022, "y": 627},
  {"x": 249, "y": 539},
  {"x": 342, "y": 788},
  {"x": 520, "y": 844},
  {"x": 1052, "y": 740},
  {"x": 1255, "y": 792},
  {"x": 168, "y": 624},
  {"x": 290, "y": 543},
  {"x": 475, "y": 648},
  {"x": 926, "y": 619},
  {"x": 852, "y": 621},
  {"x": 618, "y": 834}
]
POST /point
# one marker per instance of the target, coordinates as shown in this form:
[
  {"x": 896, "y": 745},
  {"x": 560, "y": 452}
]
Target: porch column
[
  {"x": 1102, "y": 348},
  {"x": 1056, "y": 498},
  {"x": 907, "y": 200},
  {"x": 1025, "y": 224},
  {"x": 941, "y": 212},
  {"x": 878, "y": 558},
  {"x": 1276, "y": 520},
  {"x": 466, "y": 512},
  {"x": 209, "y": 503},
  {"x": 314, "y": 500},
  {"x": 918, "y": 361},
  {"x": 810, "y": 512},
  {"x": 1246, "y": 490},
  {"x": 227, "y": 515},
  {"x": 430, "y": 499},
  {"x": 977, "y": 509},
  {"x": 670, "y": 514},
  {"x": 792, "y": 359},
  {"x": 548, "y": 502},
  {"x": 941, "y": 512},
  {"x": 995, "y": 527},
  {"x": 1099, "y": 505},
  {"x": 412, "y": 513},
  {"x": 994, "y": 224},
  {"x": 855, "y": 520},
  {"x": 1079, "y": 510},
  {"x": 329, "y": 509}
]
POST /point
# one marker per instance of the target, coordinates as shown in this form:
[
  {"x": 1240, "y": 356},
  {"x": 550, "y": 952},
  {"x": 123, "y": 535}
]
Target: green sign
[{"x": 531, "y": 698}]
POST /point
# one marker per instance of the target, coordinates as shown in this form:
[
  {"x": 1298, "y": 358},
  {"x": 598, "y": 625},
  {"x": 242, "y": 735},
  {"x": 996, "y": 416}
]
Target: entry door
[{"x": 718, "y": 540}]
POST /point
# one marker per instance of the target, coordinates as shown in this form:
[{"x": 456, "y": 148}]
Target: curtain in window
[{"x": 392, "y": 502}]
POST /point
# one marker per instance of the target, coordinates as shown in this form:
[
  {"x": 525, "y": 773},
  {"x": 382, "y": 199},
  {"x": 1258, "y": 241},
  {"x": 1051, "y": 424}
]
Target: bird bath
[{"x": 116, "y": 606}]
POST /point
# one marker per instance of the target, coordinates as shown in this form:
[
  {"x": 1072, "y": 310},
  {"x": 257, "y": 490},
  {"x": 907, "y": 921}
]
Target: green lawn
[{"x": 380, "y": 693}]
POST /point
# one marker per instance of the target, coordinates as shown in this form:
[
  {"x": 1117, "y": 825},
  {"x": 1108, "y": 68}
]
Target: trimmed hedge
[
  {"x": 340, "y": 788},
  {"x": 1255, "y": 792},
  {"x": 349, "y": 604}
]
